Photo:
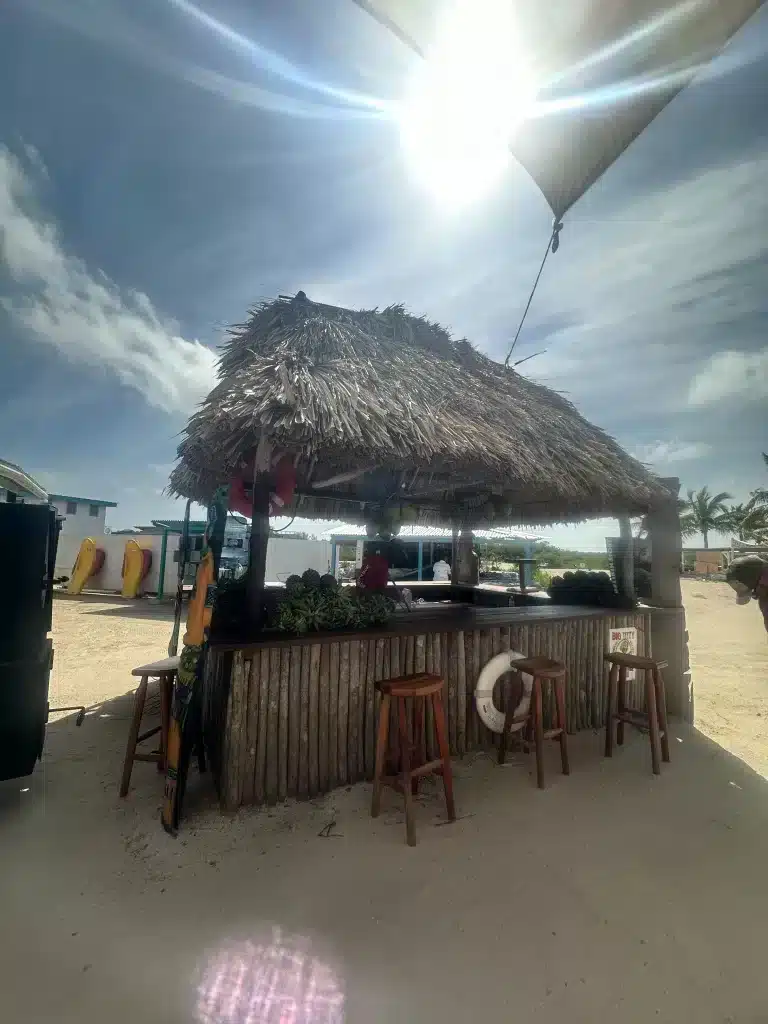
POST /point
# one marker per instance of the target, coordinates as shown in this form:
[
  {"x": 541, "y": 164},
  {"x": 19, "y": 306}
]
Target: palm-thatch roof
[{"x": 382, "y": 408}]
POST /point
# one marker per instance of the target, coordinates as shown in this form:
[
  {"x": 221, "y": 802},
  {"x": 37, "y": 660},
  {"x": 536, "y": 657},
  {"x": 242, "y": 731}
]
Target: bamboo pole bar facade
[{"x": 299, "y": 719}]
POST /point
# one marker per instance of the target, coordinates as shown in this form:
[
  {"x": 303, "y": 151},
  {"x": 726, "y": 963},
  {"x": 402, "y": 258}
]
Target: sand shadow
[
  {"x": 698, "y": 764},
  {"x": 137, "y": 609},
  {"x": 71, "y": 754}
]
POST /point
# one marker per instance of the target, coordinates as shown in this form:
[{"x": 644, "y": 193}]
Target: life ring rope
[{"x": 489, "y": 714}]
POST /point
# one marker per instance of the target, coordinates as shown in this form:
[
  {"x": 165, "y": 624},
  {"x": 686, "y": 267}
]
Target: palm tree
[
  {"x": 734, "y": 520},
  {"x": 703, "y": 512},
  {"x": 760, "y": 495},
  {"x": 687, "y": 525},
  {"x": 755, "y": 524}
]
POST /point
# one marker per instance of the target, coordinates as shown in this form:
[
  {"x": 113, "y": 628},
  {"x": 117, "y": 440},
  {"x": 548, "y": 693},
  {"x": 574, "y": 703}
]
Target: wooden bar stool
[
  {"x": 543, "y": 670},
  {"x": 654, "y": 719},
  {"x": 165, "y": 671},
  {"x": 412, "y": 744}
]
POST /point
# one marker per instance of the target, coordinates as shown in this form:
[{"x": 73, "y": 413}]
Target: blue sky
[{"x": 158, "y": 175}]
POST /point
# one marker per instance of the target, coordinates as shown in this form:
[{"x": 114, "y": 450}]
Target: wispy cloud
[
  {"x": 82, "y": 313},
  {"x": 642, "y": 295},
  {"x": 669, "y": 285},
  {"x": 661, "y": 453},
  {"x": 728, "y": 375}
]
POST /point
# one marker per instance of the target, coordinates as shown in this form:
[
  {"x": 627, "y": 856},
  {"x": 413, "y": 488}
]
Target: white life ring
[{"x": 489, "y": 676}]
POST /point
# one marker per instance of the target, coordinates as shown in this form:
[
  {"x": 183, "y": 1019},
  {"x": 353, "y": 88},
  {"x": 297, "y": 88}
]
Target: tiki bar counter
[{"x": 381, "y": 419}]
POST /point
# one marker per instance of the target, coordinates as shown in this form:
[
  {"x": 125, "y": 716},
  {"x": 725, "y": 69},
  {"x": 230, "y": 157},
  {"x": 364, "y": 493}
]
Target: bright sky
[{"x": 163, "y": 166}]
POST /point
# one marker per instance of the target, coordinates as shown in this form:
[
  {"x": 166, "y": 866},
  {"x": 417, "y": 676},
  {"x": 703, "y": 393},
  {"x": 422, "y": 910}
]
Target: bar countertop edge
[{"x": 448, "y": 620}]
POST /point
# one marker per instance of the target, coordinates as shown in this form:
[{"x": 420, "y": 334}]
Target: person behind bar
[
  {"x": 374, "y": 572},
  {"x": 748, "y": 577},
  {"x": 441, "y": 571}
]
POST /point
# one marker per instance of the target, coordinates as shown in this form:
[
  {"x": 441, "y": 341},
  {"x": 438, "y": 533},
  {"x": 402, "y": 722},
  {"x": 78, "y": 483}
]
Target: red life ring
[{"x": 284, "y": 476}]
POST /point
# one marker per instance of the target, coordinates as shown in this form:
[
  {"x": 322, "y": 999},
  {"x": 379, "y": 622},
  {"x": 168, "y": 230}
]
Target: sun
[{"x": 465, "y": 102}]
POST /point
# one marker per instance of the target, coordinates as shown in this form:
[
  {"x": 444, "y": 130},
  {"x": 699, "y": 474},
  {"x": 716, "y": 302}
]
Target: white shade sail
[{"x": 604, "y": 69}]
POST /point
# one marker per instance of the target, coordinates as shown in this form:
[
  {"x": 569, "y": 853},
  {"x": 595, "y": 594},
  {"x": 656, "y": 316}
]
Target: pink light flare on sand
[{"x": 277, "y": 980}]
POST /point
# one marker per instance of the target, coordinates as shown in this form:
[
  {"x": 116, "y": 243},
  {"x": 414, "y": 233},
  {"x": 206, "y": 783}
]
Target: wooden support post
[
  {"x": 454, "y": 556},
  {"x": 627, "y": 568},
  {"x": 467, "y": 571},
  {"x": 257, "y": 560},
  {"x": 666, "y": 548},
  {"x": 669, "y": 637},
  {"x": 161, "y": 571},
  {"x": 257, "y": 548}
]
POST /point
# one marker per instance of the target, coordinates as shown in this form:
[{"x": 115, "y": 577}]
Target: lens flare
[
  {"x": 277, "y": 980},
  {"x": 467, "y": 99}
]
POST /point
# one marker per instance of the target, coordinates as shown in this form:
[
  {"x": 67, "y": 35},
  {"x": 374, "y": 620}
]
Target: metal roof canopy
[
  {"x": 626, "y": 59},
  {"x": 195, "y": 526},
  {"x": 14, "y": 478},
  {"x": 82, "y": 501}
]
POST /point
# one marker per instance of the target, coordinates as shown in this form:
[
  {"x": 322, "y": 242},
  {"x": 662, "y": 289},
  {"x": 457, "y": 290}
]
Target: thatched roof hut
[{"x": 382, "y": 408}]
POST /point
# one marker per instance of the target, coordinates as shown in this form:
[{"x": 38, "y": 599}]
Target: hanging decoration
[{"x": 281, "y": 495}]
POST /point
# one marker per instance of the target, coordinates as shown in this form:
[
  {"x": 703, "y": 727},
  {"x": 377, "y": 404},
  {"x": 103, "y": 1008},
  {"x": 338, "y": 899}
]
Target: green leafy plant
[
  {"x": 542, "y": 577},
  {"x": 312, "y": 603}
]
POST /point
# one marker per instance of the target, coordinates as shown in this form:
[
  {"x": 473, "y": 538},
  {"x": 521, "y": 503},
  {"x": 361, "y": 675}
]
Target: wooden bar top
[{"x": 432, "y": 618}]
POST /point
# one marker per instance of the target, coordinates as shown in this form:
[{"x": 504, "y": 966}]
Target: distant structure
[
  {"x": 16, "y": 485},
  {"x": 419, "y": 546},
  {"x": 83, "y": 517},
  {"x": 236, "y": 532}
]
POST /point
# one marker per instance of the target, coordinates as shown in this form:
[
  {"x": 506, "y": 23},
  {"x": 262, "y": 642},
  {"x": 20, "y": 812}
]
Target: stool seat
[
  {"x": 544, "y": 668},
  {"x": 653, "y": 717},
  {"x": 164, "y": 670},
  {"x": 635, "y": 661},
  {"x": 420, "y": 685},
  {"x": 157, "y": 668},
  {"x": 411, "y": 694}
]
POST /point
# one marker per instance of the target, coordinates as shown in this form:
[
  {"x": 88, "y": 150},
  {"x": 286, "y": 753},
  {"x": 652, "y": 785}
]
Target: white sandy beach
[{"x": 613, "y": 895}]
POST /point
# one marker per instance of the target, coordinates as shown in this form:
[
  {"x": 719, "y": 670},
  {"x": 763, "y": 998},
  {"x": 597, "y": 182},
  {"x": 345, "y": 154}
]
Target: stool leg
[
  {"x": 653, "y": 723},
  {"x": 622, "y": 704},
  {"x": 419, "y": 739},
  {"x": 538, "y": 731},
  {"x": 381, "y": 753},
  {"x": 560, "y": 701},
  {"x": 166, "y": 690},
  {"x": 509, "y": 714},
  {"x": 133, "y": 734},
  {"x": 405, "y": 771},
  {"x": 661, "y": 708},
  {"x": 393, "y": 753},
  {"x": 445, "y": 754},
  {"x": 612, "y": 683}
]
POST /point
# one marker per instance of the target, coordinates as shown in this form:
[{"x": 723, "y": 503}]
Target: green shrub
[
  {"x": 542, "y": 577},
  {"x": 316, "y": 604}
]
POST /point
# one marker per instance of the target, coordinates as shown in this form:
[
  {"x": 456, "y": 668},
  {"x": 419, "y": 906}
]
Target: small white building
[{"x": 83, "y": 517}]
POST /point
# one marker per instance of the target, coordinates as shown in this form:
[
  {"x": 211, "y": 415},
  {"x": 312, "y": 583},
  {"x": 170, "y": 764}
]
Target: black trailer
[{"x": 29, "y": 536}]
